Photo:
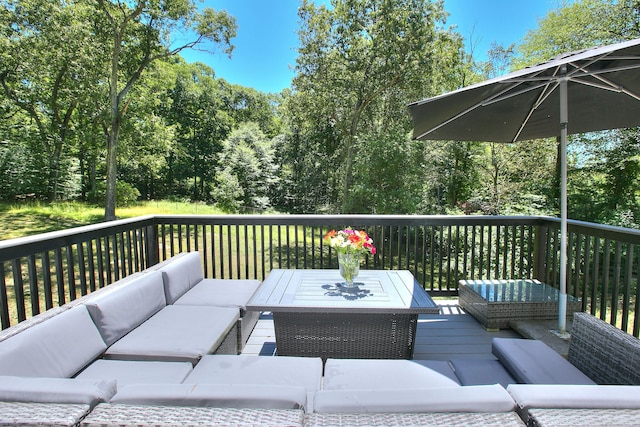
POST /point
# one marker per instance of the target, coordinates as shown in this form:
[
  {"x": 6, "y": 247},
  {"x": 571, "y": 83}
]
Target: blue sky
[{"x": 265, "y": 46}]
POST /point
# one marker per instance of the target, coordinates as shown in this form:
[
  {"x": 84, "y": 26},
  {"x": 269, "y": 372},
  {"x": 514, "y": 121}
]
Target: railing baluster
[
  {"x": 615, "y": 292},
  {"x": 91, "y": 266},
  {"x": 81, "y": 269},
  {"x": 628, "y": 278},
  {"x": 587, "y": 273},
  {"x": 605, "y": 279},
  {"x": 237, "y": 252},
  {"x": 596, "y": 275},
  {"x": 5, "y": 321},
  {"x": 46, "y": 280},
  {"x": 137, "y": 245},
  {"x": 230, "y": 252},
  {"x": 59, "y": 277},
  {"x": 636, "y": 308},
  {"x": 187, "y": 237},
  {"x": 129, "y": 252},
  {"x": 449, "y": 256},
  {"x": 18, "y": 289},
  {"x": 107, "y": 263},
  {"x": 71, "y": 279},
  {"x": 116, "y": 258},
  {"x": 33, "y": 284}
]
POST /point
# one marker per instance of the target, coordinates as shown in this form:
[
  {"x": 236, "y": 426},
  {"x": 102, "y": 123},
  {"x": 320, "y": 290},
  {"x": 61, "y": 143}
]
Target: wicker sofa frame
[
  {"x": 603, "y": 352},
  {"x": 598, "y": 349}
]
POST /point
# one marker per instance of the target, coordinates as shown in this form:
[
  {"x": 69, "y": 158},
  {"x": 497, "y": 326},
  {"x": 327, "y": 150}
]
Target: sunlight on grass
[
  {"x": 19, "y": 220},
  {"x": 167, "y": 207}
]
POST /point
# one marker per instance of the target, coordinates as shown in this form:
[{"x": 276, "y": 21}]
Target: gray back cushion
[
  {"x": 57, "y": 348},
  {"x": 181, "y": 275},
  {"x": 117, "y": 313}
]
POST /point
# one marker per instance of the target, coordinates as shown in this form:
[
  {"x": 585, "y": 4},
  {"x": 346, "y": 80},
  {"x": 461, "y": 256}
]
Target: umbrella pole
[{"x": 564, "y": 120}]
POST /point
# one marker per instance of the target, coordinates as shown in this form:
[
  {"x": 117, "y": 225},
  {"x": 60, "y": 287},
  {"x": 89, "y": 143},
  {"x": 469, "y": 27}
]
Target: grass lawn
[{"x": 31, "y": 218}]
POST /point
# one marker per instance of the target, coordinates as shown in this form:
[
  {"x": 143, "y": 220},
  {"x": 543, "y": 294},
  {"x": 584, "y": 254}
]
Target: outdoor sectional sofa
[{"x": 155, "y": 349}]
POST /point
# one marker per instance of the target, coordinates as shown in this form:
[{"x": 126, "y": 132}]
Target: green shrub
[{"x": 126, "y": 194}]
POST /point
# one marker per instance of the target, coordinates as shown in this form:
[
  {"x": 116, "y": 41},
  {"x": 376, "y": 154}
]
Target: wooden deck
[{"x": 452, "y": 334}]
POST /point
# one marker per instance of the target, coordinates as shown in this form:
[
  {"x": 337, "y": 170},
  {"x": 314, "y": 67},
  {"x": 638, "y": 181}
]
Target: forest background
[{"x": 97, "y": 105}]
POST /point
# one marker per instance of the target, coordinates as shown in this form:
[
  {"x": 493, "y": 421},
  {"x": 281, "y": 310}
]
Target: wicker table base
[
  {"x": 494, "y": 303},
  {"x": 345, "y": 335}
]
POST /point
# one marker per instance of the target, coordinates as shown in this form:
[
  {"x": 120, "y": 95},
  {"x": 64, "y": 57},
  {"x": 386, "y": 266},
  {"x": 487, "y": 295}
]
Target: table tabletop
[
  {"x": 322, "y": 291},
  {"x": 514, "y": 290}
]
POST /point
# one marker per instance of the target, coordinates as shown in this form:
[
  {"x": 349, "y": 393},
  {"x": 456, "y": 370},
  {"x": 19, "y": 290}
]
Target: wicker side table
[{"x": 494, "y": 303}]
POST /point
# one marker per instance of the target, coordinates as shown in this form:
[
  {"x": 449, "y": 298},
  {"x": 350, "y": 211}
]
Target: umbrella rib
[
  {"x": 511, "y": 95},
  {"x": 462, "y": 113},
  {"x": 608, "y": 84},
  {"x": 543, "y": 96}
]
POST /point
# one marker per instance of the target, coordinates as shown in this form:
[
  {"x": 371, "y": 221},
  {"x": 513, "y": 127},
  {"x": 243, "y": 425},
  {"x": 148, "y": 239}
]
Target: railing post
[
  {"x": 540, "y": 253},
  {"x": 151, "y": 245}
]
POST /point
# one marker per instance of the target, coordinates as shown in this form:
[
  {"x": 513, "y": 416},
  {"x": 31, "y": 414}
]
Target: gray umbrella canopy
[{"x": 589, "y": 90}]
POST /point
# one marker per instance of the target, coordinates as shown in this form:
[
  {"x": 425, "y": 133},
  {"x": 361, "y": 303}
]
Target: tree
[
  {"x": 138, "y": 33},
  {"x": 359, "y": 62},
  {"x": 45, "y": 61},
  {"x": 247, "y": 162}
]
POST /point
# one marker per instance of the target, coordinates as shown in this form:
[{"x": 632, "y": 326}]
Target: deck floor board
[{"x": 452, "y": 334}]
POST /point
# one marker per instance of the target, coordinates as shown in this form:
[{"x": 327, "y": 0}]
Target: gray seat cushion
[
  {"x": 483, "y": 398},
  {"x": 56, "y": 390},
  {"x": 213, "y": 395},
  {"x": 117, "y": 313},
  {"x": 59, "y": 347},
  {"x": 481, "y": 371},
  {"x": 248, "y": 369},
  {"x": 181, "y": 274},
  {"x": 220, "y": 292},
  {"x": 440, "y": 366},
  {"x": 176, "y": 333},
  {"x": 360, "y": 374},
  {"x": 575, "y": 396},
  {"x": 534, "y": 362},
  {"x": 137, "y": 372}
]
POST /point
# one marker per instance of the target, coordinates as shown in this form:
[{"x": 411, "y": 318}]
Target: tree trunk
[{"x": 110, "y": 196}]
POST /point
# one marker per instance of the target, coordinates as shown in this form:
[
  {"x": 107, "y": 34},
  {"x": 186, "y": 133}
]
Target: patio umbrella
[{"x": 593, "y": 89}]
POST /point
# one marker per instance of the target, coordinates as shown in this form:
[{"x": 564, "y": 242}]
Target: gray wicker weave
[
  {"x": 230, "y": 343},
  {"x": 108, "y": 415},
  {"x": 41, "y": 414},
  {"x": 417, "y": 419},
  {"x": 510, "y": 300},
  {"x": 603, "y": 352},
  {"x": 346, "y": 335},
  {"x": 584, "y": 417},
  {"x": 247, "y": 321}
]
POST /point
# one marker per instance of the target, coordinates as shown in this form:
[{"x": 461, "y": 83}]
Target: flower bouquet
[{"x": 350, "y": 245}]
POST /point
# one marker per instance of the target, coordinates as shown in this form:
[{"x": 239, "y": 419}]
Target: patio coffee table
[
  {"x": 496, "y": 302},
  {"x": 315, "y": 315}
]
